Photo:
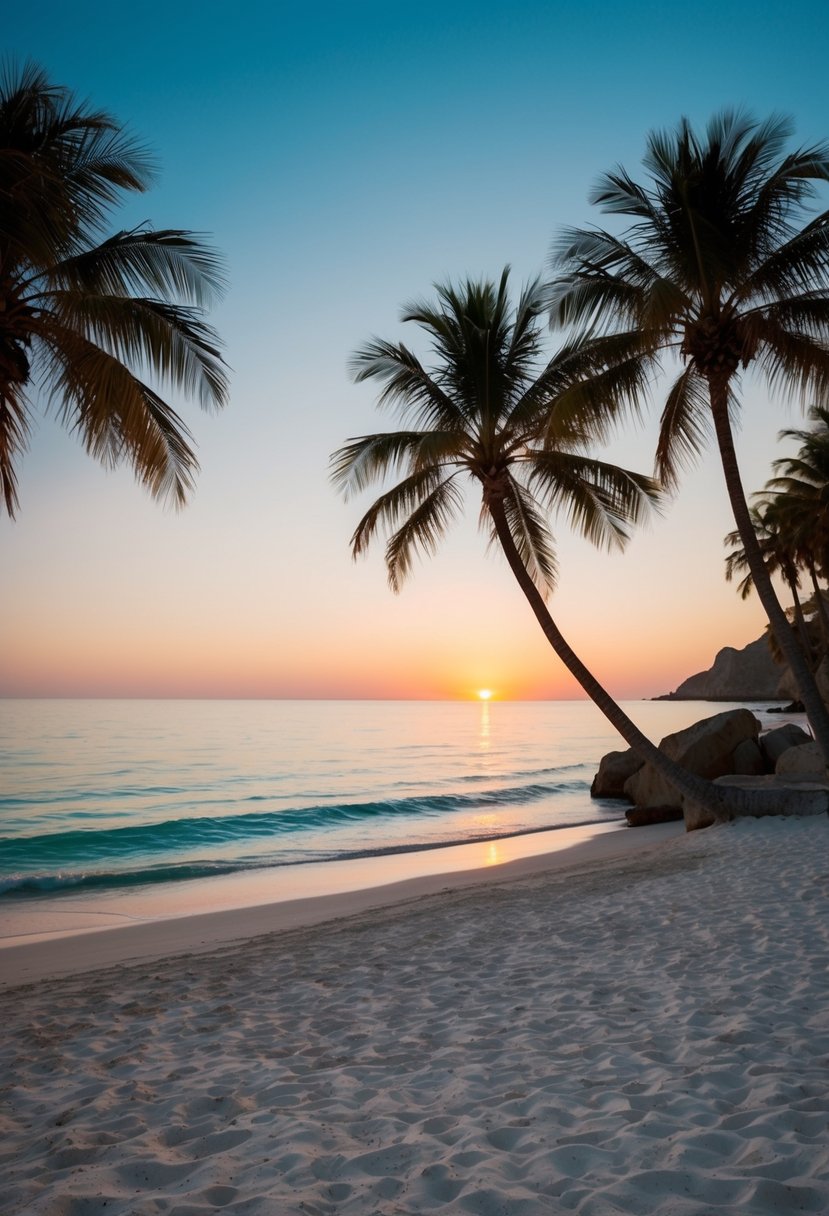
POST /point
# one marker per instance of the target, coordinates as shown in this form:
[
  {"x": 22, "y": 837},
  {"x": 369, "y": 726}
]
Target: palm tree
[
  {"x": 489, "y": 414},
  {"x": 777, "y": 543},
  {"x": 87, "y": 320},
  {"x": 722, "y": 267},
  {"x": 802, "y": 488}
]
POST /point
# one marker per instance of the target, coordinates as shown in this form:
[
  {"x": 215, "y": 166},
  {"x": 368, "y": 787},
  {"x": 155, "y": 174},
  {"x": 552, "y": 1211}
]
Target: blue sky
[{"x": 343, "y": 158}]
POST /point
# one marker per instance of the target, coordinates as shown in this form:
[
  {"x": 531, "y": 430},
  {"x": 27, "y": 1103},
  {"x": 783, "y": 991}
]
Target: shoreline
[{"x": 46, "y": 938}]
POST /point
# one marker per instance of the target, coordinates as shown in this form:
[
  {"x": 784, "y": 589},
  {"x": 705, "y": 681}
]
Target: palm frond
[
  {"x": 423, "y": 530},
  {"x": 171, "y": 341},
  {"x": 386, "y": 511},
  {"x": 599, "y": 500},
  {"x": 606, "y": 380},
  {"x": 14, "y": 435},
  {"x": 119, "y": 417},
  {"x": 406, "y": 385},
  {"x": 531, "y": 533},
  {"x": 368, "y": 459},
  {"x": 169, "y": 264},
  {"x": 794, "y": 364},
  {"x": 684, "y": 428}
]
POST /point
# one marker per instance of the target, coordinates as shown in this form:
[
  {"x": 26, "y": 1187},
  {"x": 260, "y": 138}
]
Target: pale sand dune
[{"x": 647, "y": 1035}]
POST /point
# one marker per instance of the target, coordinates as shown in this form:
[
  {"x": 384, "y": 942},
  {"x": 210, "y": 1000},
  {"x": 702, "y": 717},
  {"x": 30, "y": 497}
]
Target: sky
[{"x": 344, "y": 158}]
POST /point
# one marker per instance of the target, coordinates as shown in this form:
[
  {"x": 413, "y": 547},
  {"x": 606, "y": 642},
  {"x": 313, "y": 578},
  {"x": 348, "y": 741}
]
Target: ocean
[{"x": 102, "y": 794}]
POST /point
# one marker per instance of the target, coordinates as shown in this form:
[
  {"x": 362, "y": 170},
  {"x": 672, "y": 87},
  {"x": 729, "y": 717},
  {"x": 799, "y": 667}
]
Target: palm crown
[
  {"x": 721, "y": 265},
  {"x": 488, "y": 410},
  {"x": 87, "y": 320}
]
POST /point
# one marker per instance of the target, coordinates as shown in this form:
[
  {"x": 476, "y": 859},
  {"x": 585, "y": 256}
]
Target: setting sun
[{"x": 484, "y": 694}]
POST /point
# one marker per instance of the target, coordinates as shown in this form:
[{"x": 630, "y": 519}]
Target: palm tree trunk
[
  {"x": 820, "y": 604},
  {"x": 790, "y": 575},
  {"x": 714, "y": 798},
  {"x": 786, "y": 640}
]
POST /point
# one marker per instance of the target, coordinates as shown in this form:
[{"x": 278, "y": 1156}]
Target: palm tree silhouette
[
  {"x": 773, "y": 528},
  {"x": 488, "y": 413},
  {"x": 801, "y": 487},
  {"x": 85, "y": 318},
  {"x": 721, "y": 267}
]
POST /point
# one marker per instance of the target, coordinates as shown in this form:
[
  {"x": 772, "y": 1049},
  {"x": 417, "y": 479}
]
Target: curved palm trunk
[
  {"x": 713, "y": 797},
  {"x": 815, "y": 709}
]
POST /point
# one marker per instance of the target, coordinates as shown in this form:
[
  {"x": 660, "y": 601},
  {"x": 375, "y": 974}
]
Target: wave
[
  {"x": 42, "y": 884},
  {"x": 78, "y": 847}
]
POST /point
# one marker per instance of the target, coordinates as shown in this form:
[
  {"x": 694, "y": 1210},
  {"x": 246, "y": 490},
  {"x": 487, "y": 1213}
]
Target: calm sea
[{"x": 112, "y": 793}]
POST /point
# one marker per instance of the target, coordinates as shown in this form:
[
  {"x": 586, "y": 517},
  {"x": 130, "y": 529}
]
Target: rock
[
  {"x": 787, "y": 689},
  {"x": 771, "y": 795},
  {"x": 706, "y": 748},
  {"x": 747, "y": 759},
  {"x": 644, "y": 816},
  {"x": 794, "y": 707},
  {"x": 779, "y": 740},
  {"x": 614, "y": 770},
  {"x": 803, "y": 761},
  {"x": 750, "y": 674}
]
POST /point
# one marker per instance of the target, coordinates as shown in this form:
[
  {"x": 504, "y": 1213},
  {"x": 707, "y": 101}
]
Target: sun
[{"x": 484, "y": 694}]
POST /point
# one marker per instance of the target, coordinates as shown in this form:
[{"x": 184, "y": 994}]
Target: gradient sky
[{"x": 344, "y": 157}]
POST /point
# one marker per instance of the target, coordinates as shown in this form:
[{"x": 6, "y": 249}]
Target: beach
[{"x": 637, "y": 1031}]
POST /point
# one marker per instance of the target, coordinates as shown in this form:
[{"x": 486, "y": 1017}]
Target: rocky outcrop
[
  {"x": 750, "y": 674},
  {"x": 706, "y": 749},
  {"x": 614, "y": 770},
  {"x": 784, "y": 769}
]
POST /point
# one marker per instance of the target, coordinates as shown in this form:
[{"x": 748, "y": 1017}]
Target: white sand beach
[{"x": 640, "y": 1032}]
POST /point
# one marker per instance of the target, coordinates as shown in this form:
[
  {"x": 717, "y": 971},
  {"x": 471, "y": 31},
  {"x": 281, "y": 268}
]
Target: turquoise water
[{"x": 109, "y": 793}]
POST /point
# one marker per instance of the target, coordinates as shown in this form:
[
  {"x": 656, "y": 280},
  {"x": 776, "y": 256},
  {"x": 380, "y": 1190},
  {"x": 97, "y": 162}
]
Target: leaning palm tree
[
  {"x": 97, "y": 325},
  {"x": 487, "y": 412},
  {"x": 723, "y": 267}
]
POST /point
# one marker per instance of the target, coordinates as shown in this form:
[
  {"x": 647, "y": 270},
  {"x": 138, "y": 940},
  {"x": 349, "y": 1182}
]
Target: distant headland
[{"x": 750, "y": 674}]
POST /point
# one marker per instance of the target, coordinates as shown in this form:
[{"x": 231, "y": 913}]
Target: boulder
[
  {"x": 614, "y": 770},
  {"x": 779, "y": 740},
  {"x": 770, "y": 795},
  {"x": 644, "y": 816},
  {"x": 748, "y": 760},
  {"x": 706, "y": 748},
  {"x": 803, "y": 761}
]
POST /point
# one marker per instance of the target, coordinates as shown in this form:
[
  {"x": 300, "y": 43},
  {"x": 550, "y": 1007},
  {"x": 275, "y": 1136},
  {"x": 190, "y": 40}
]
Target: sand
[{"x": 642, "y": 1034}]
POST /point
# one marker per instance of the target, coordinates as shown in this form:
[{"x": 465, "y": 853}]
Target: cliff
[{"x": 750, "y": 674}]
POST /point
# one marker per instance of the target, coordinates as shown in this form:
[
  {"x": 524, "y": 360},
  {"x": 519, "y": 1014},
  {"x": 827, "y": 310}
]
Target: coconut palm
[
  {"x": 778, "y": 545},
  {"x": 802, "y": 489},
  {"x": 724, "y": 267},
  {"x": 96, "y": 325},
  {"x": 488, "y": 413}
]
